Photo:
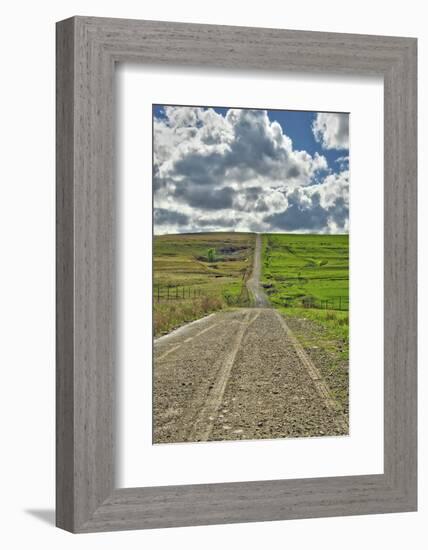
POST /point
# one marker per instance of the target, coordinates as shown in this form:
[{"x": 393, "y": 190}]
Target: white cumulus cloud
[{"x": 332, "y": 130}]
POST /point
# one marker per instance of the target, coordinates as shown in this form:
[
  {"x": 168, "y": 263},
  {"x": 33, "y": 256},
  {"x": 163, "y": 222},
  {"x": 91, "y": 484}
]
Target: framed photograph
[{"x": 236, "y": 274}]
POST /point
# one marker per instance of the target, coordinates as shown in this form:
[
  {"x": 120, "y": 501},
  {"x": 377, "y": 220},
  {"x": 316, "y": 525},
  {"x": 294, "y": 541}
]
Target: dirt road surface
[
  {"x": 240, "y": 375},
  {"x": 253, "y": 283}
]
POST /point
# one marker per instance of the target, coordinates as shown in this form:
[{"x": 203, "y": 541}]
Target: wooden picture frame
[{"x": 87, "y": 50}]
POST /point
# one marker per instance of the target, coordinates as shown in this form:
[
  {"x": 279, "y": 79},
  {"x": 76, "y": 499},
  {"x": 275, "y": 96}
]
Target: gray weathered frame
[{"x": 87, "y": 50}]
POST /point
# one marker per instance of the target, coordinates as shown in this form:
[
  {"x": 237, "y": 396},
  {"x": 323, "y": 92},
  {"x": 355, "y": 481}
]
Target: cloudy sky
[{"x": 267, "y": 171}]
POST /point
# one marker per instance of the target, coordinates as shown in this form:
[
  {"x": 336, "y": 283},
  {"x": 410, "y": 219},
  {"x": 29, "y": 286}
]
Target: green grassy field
[
  {"x": 306, "y": 270},
  {"x": 195, "y": 274}
]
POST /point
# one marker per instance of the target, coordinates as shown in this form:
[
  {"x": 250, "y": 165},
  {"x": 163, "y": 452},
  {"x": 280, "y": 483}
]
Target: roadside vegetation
[
  {"x": 306, "y": 277},
  {"x": 196, "y": 274}
]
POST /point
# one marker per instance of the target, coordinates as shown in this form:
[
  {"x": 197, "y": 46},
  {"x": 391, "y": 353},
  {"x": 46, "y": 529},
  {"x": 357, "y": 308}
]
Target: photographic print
[{"x": 250, "y": 273}]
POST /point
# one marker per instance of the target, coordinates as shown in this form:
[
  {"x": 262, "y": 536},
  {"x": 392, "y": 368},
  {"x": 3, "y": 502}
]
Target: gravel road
[
  {"x": 253, "y": 283},
  {"x": 240, "y": 375}
]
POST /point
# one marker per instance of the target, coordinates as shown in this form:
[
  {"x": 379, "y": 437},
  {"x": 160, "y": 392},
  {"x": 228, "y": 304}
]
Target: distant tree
[{"x": 211, "y": 255}]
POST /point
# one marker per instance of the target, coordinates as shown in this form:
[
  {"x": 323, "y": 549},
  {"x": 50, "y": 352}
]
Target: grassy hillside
[
  {"x": 310, "y": 270},
  {"x": 194, "y": 274}
]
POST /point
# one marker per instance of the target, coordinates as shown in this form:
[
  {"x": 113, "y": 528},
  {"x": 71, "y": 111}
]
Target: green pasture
[{"x": 300, "y": 270}]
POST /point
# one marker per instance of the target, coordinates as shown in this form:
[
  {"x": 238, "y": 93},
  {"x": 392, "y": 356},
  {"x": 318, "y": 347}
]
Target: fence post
[
  {"x": 158, "y": 293},
  {"x": 167, "y": 289}
]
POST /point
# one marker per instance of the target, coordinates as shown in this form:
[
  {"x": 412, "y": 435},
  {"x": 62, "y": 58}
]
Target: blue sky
[
  {"x": 297, "y": 125},
  {"x": 235, "y": 169}
]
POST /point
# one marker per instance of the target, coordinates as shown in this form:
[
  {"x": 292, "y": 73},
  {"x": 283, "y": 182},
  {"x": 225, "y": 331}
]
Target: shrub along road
[{"x": 240, "y": 375}]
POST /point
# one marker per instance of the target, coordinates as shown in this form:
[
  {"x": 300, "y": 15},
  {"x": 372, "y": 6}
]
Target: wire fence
[
  {"x": 166, "y": 293},
  {"x": 339, "y": 303}
]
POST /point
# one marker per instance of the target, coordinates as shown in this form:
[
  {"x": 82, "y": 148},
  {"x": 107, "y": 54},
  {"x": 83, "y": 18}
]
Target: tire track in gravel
[
  {"x": 204, "y": 423},
  {"x": 189, "y": 339},
  {"x": 186, "y": 373},
  {"x": 316, "y": 377},
  {"x": 271, "y": 392}
]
